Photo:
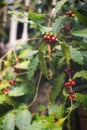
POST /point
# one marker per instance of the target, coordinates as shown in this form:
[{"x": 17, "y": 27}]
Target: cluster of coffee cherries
[
  {"x": 6, "y": 90},
  {"x": 70, "y": 13},
  {"x": 50, "y": 38},
  {"x": 70, "y": 84}
]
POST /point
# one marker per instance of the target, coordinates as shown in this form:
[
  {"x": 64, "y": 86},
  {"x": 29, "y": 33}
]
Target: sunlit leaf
[
  {"x": 82, "y": 73},
  {"x": 9, "y": 122},
  {"x": 80, "y": 33},
  {"x": 23, "y": 119}
]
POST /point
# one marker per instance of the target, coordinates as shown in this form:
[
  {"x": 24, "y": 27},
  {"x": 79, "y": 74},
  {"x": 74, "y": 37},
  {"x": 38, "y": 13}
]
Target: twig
[
  {"x": 23, "y": 73},
  {"x": 6, "y": 54},
  {"x": 12, "y": 49},
  {"x": 38, "y": 83}
]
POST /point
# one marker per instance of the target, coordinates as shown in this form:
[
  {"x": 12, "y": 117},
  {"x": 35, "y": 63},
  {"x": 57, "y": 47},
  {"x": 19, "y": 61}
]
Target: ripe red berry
[
  {"x": 73, "y": 96},
  {"x": 69, "y": 13},
  {"x": 15, "y": 69},
  {"x": 73, "y": 83},
  {"x": 71, "y": 91},
  {"x": 53, "y": 39},
  {"x": 6, "y": 91},
  {"x": 11, "y": 82},
  {"x": 67, "y": 84},
  {"x": 70, "y": 98},
  {"x": 67, "y": 27}
]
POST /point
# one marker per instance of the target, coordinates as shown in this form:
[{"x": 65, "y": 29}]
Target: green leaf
[
  {"x": 35, "y": 16},
  {"x": 23, "y": 120},
  {"x": 32, "y": 66},
  {"x": 66, "y": 51},
  {"x": 2, "y": 98},
  {"x": 44, "y": 29},
  {"x": 56, "y": 109},
  {"x": 76, "y": 55},
  {"x": 30, "y": 54},
  {"x": 83, "y": 44},
  {"x": 18, "y": 91},
  {"x": 81, "y": 18},
  {"x": 9, "y": 122},
  {"x": 23, "y": 53},
  {"x": 59, "y": 6},
  {"x": 58, "y": 24},
  {"x": 23, "y": 65},
  {"x": 82, "y": 99},
  {"x": 79, "y": 74},
  {"x": 57, "y": 87},
  {"x": 43, "y": 64},
  {"x": 53, "y": 108},
  {"x": 80, "y": 33},
  {"x": 4, "y": 84}
]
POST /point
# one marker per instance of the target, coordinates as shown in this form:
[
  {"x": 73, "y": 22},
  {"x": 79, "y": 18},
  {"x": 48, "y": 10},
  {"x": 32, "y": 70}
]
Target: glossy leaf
[
  {"x": 66, "y": 51},
  {"x": 59, "y": 6},
  {"x": 23, "y": 65},
  {"x": 44, "y": 29},
  {"x": 32, "y": 66},
  {"x": 82, "y": 99},
  {"x": 58, "y": 24},
  {"x": 9, "y": 122},
  {"x": 35, "y": 16},
  {"x": 23, "y": 119},
  {"x": 43, "y": 64},
  {"x": 58, "y": 83},
  {"x": 76, "y": 55},
  {"x": 81, "y": 18},
  {"x": 18, "y": 91},
  {"x": 81, "y": 73},
  {"x": 80, "y": 33}
]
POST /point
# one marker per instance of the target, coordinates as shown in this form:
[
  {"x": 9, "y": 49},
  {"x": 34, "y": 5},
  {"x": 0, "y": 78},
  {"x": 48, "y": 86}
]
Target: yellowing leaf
[
  {"x": 60, "y": 121},
  {"x": 4, "y": 84},
  {"x": 23, "y": 65}
]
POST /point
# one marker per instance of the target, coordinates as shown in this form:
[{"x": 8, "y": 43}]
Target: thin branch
[
  {"x": 38, "y": 83},
  {"x": 12, "y": 49},
  {"x": 6, "y": 54},
  {"x": 23, "y": 73}
]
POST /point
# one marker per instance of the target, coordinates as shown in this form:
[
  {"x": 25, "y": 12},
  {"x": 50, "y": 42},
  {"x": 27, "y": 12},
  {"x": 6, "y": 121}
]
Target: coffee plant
[{"x": 55, "y": 55}]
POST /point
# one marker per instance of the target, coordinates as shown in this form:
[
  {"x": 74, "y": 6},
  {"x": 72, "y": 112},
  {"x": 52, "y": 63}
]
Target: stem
[
  {"x": 23, "y": 73},
  {"x": 37, "y": 88},
  {"x": 15, "y": 54},
  {"x": 12, "y": 49}
]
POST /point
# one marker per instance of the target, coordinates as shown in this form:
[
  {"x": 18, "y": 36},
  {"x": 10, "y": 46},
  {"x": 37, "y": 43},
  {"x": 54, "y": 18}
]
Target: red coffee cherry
[
  {"x": 67, "y": 28},
  {"x": 71, "y": 91},
  {"x": 67, "y": 84},
  {"x": 15, "y": 69},
  {"x": 70, "y": 98},
  {"x": 6, "y": 91},
  {"x": 69, "y": 71},
  {"x": 68, "y": 13},
  {"x": 73, "y": 96},
  {"x": 73, "y": 83},
  {"x": 11, "y": 82}
]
